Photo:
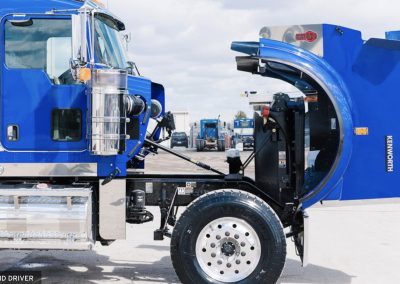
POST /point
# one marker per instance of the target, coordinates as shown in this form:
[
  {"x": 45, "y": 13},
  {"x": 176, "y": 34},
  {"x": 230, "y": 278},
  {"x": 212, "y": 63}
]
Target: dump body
[{"x": 358, "y": 80}]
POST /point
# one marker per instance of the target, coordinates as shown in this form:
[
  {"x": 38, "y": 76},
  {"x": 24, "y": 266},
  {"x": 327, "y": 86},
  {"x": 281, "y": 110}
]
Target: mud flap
[{"x": 301, "y": 239}]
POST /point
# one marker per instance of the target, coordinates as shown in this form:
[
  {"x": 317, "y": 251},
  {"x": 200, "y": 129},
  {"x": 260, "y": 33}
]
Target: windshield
[
  {"x": 108, "y": 46},
  {"x": 179, "y": 134}
]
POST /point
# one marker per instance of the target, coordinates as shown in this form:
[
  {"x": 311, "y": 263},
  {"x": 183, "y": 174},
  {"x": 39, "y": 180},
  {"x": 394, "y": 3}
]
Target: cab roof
[{"x": 37, "y": 6}]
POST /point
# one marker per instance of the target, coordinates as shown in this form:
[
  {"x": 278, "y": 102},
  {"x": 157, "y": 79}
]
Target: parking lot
[{"x": 350, "y": 244}]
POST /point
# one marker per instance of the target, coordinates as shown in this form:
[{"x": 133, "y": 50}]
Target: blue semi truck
[
  {"x": 210, "y": 136},
  {"x": 74, "y": 136},
  {"x": 243, "y": 133}
]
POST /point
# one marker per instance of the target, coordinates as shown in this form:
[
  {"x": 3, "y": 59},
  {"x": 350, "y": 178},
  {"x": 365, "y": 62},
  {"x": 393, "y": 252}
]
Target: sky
[{"x": 185, "y": 44}]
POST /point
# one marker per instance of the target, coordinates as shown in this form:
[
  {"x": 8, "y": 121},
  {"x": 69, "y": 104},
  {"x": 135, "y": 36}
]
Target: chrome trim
[
  {"x": 243, "y": 255},
  {"x": 289, "y": 34},
  {"x": 112, "y": 210},
  {"x": 58, "y": 217},
  {"x": 107, "y": 111},
  {"x": 49, "y": 169}
]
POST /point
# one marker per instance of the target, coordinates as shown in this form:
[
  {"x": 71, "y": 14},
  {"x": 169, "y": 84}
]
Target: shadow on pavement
[
  {"x": 295, "y": 273},
  {"x": 91, "y": 267},
  {"x": 157, "y": 248}
]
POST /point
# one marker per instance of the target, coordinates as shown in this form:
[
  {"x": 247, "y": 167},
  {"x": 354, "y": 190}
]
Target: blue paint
[
  {"x": 393, "y": 35},
  {"x": 28, "y": 98},
  {"x": 209, "y": 128},
  {"x": 362, "y": 78},
  {"x": 243, "y": 123}
]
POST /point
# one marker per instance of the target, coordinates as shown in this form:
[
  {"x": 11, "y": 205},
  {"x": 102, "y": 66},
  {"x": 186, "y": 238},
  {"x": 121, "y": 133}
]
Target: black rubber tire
[
  {"x": 221, "y": 145},
  {"x": 228, "y": 203},
  {"x": 200, "y": 145}
]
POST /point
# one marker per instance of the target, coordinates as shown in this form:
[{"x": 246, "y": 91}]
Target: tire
[
  {"x": 200, "y": 145},
  {"x": 256, "y": 225},
  {"x": 221, "y": 145}
]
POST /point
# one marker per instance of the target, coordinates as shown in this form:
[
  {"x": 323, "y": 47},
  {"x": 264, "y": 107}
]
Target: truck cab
[
  {"x": 74, "y": 112},
  {"x": 243, "y": 133},
  {"x": 210, "y": 136}
]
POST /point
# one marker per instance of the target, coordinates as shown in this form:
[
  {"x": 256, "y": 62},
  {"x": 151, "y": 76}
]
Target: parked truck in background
[
  {"x": 210, "y": 135},
  {"x": 243, "y": 133}
]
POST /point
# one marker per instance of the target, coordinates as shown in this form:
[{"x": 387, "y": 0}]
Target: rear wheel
[
  {"x": 238, "y": 239},
  {"x": 221, "y": 145},
  {"x": 200, "y": 145}
]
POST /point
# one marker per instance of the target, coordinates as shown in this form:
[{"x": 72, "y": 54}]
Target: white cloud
[{"x": 185, "y": 44}]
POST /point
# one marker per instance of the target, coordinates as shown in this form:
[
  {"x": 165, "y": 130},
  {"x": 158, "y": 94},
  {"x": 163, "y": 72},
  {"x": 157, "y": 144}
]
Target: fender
[{"x": 326, "y": 78}]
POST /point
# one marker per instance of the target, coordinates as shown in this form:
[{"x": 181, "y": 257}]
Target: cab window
[{"x": 40, "y": 44}]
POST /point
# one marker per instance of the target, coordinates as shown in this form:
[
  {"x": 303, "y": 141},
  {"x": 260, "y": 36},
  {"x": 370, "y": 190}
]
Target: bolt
[
  {"x": 219, "y": 262},
  {"x": 213, "y": 254},
  {"x": 236, "y": 236},
  {"x": 237, "y": 261},
  {"x": 243, "y": 253},
  {"x": 218, "y": 237},
  {"x": 213, "y": 245},
  {"x": 227, "y": 234},
  {"x": 242, "y": 244},
  {"x": 228, "y": 265}
]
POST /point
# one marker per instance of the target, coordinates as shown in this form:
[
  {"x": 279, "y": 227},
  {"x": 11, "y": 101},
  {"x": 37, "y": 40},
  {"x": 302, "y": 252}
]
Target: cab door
[{"x": 43, "y": 108}]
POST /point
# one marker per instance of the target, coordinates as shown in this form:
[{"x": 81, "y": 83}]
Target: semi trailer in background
[{"x": 75, "y": 135}]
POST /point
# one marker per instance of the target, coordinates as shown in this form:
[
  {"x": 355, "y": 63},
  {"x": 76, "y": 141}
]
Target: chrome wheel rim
[{"x": 228, "y": 249}]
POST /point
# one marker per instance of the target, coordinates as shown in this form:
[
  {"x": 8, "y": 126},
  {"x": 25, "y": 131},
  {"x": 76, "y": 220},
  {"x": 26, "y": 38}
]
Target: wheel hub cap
[{"x": 228, "y": 249}]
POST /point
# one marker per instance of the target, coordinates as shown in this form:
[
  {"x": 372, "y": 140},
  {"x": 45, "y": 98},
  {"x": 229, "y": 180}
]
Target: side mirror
[
  {"x": 79, "y": 40},
  {"x": 132, "y": 68}
]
